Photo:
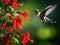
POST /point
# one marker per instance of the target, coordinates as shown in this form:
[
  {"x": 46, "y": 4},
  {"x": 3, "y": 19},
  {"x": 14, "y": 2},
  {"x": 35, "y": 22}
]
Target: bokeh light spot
[{"x": 46, "y": 32}]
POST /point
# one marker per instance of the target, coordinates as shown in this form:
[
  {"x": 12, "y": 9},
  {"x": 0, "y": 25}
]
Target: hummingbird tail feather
[{"x": 49, "y": 20}]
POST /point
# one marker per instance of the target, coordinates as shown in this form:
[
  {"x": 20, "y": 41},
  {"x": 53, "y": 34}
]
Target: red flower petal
[
  {"x": 25, "y": 37},
  {"x": 19, "y": 26},
  {"x": 9, "y": 28},
  {"x": 16, "y": 22},
  {"x": 14, "y": 0},
  {"x": 14, "y": 4},
  {"x": 30, "y": 19},
  {"x": 25, "y": 14},
  {"x": 22, "y": 4},
  {"x": 15, "y": 25},
  {"x": 24, "y": 19},
  {"x": 6, "y": 1},
  {"x": 6, "y": 41},
  {"x": 5, "y": 36},
  {"x": 19, "y": 19},
  {"x": 3, "y": 24}
]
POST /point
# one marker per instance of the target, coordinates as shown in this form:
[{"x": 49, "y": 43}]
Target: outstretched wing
[
  {"x": 43, "y": 14},
  {"x": 51, "y": 8},
  {"x": 47, "y": 7}
]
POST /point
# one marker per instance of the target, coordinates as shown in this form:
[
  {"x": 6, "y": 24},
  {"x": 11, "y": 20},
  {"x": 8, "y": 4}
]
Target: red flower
[
  {"x": 14, "y": 0},
  {"x": 6, "y": 41},
  {"x": 25, "y": 14},
  {"x": 9, "y": 28},
  {"x": 6, "y": 1},
  {"x": 21, "y": 4},
  {"x": 15, "y": 5},
  {"x": 5, "y": 36},
  {"x": 25, "y": 37},
  {"x": 16, "y": 22}
]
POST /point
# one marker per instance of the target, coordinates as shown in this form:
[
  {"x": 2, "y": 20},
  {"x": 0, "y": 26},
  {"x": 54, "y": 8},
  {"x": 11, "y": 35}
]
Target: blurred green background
[{"x": 42, "y": 33}]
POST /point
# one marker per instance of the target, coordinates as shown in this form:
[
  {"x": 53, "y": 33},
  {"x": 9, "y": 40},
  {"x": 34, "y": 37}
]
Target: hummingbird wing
[
  {"x": 50, "y": 9},
  {"x": 42, "y": 15},
  {"x": 47, "y": 11}
]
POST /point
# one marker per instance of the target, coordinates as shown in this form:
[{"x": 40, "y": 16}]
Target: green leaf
[
  {"x": 15, "y": 40},
  {"x": 1, "y": 35},
  {"x": 12, "y": 11},
  {"x": 1, "y": 11}
]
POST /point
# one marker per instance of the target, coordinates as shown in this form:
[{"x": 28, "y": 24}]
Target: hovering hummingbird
[{"x": 43, "y": 16}]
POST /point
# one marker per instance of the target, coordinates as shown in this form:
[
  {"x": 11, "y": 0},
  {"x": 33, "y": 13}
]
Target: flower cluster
[{"x": 10, "y": 21}]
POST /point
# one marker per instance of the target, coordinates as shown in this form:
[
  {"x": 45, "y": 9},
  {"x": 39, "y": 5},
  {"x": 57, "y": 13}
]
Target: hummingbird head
[{"x": 36, "y": 11}]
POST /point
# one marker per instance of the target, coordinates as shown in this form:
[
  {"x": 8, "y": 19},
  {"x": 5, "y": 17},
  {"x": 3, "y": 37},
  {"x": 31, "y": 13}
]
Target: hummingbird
[{"x": 43, "y": 16}]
